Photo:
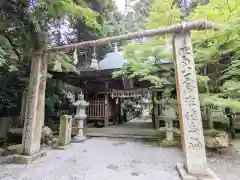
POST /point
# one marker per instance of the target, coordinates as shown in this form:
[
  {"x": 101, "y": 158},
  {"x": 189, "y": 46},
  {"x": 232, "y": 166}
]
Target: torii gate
[{"x": 195, "y": 164}]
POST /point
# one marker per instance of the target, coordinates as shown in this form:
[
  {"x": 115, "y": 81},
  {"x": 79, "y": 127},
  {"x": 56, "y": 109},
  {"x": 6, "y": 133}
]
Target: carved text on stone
[{"x": 189, "y": 85}]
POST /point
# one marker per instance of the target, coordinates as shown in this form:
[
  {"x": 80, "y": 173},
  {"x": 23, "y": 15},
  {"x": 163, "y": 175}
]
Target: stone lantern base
[{"x": 79, "y": 139}]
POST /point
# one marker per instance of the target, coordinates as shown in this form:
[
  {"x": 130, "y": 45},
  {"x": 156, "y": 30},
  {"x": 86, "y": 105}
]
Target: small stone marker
[
  {"x": 65, "y": 132},
  {"x": 195, "y": 165}
]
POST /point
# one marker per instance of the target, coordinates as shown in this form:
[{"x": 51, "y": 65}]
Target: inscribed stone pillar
[
  {"x": 42, "y": 88},
  {"x": 32, "y": 125},
  {"x": 65, "y": 130},
  {"x": 195, "y": 164},
  {"x": 23, "y": 107}
]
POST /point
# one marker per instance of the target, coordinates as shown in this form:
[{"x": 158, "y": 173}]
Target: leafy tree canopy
[{"x": 216, "y": 53}]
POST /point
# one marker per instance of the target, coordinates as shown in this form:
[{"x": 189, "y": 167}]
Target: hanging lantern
[
  {"x": 75, "y": 57},
  {"x": 115, "y": 47},
  {"x": 117, "y": 101},
  {"x": 94, "y": 62}
]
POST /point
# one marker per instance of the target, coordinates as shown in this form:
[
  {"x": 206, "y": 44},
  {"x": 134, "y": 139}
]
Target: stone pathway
[
  {"x": 236, "y": 144},
  {"x": 137, "y": 127},
  {"x": 108, "y": 159}
]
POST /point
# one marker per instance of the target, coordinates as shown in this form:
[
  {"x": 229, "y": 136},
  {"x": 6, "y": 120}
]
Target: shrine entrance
[
  {"x": 107, "y": 96},
  {"x": 113, "y": 102},
  {"x": 132, "y": 119},
  {"x": 195, "y": 164}
]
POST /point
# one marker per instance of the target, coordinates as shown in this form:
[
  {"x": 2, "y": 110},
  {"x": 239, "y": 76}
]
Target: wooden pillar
[
  {"x": 154, "y": 111},
  {"x": 119, "y": 111},
  {"x": 85, "y": 92},
  {"x": 115, "y": 109},
  {"x": 157, "y": 110},
  {"x": 106, "y": 118}
]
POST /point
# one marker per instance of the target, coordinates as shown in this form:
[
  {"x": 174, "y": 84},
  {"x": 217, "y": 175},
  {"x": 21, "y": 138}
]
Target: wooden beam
[
  {"x": 186, "y": 26},
  {"x": 157, "y": 106}
]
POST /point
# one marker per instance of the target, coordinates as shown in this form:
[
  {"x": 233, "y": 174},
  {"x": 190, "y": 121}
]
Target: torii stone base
[
  {"x": 23, "y": 159},
  {"x": 210, "y": 175}
]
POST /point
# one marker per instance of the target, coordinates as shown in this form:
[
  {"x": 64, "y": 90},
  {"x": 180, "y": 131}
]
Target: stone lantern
[
  {"x": 169, "y": 115},
  {"x": 80, "y": 116}
]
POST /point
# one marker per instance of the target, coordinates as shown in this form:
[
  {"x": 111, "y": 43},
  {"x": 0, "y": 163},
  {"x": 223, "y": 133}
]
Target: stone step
[{"x": 120, "y": 136}]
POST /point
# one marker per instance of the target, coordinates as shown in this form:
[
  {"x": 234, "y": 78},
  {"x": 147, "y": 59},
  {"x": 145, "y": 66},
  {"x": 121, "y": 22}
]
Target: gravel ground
[{"x": 115, "y": 159}]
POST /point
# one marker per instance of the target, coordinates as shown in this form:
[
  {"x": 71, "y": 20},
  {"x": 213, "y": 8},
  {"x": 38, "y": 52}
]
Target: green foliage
[
  {"x": 24, "y": 29},
  {"x": 29, "y": 26},
  {"x": 232, "y": 71},
  {"x": 112, "y": 19},
  {"x": 161, "y": 75},
  {"x": 163, "y": 13},
  {"x": 7, "y": 56},
  {"x": 216, "y": 52},
  {"x": 218, "y": 101},
  {"x": 231, "y": 89},
  {"x": 219, "y": 52},
  {"x": 137, "y": 15},
  {"x": 65, "y": 61}
]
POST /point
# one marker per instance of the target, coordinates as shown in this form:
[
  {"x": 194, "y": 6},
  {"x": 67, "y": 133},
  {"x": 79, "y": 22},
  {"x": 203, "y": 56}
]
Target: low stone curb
[{"x": 120, "y": 136}]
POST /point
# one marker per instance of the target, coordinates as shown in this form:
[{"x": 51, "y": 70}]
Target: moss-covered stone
[{"x": 166, "y": 143}]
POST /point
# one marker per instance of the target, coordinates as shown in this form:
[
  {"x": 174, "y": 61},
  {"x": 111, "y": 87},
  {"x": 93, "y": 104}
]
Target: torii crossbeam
[{"x": 188, "y": 26}]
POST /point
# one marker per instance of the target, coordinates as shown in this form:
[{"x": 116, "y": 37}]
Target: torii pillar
[
  {"x": 34, "y": 116},
  {"x": 195, "y": 165}
]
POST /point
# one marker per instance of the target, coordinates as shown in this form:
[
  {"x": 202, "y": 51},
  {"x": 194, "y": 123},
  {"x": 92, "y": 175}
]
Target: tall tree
[
  {"x": 111, "y": 21},
  {"x": 25, "y": 28},
  {"x": 210, "y": 49}
]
